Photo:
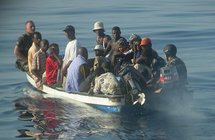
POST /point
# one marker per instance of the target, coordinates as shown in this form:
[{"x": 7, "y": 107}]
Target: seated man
[
  {"x": 119, "y": 55},
  {"x": 98, "y": 28},
  {"x": 170, "y": 51},
  {"x": 53, "y": 66},
  {"x": 77, "y": 71},
  {"x": 107, "y": 83},
  {"x": 37, "y": 37},
  {"x": 150, "y": 60},
  {"x": 23, "y": 44},
  {"x": 100, "y": 63},
  {"x": 39, "y": 63},
  {"x": 136, "y": 49}
]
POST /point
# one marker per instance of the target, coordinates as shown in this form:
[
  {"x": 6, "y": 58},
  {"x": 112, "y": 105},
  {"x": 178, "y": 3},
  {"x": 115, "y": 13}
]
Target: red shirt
[{"x": 51, "y": 70}]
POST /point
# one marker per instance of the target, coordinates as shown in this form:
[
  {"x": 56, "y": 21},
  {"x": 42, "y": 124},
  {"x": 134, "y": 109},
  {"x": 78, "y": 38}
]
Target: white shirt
[{"x": 71, "y": 51}]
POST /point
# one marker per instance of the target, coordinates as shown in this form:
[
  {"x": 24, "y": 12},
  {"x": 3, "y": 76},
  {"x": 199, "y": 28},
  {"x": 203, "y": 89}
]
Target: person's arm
[
  {"x": 34, "y": 69},
  {"x": 30, "y": 60},
  {"x": 18, "y": 53},
  {"x": 84, "y": 71},
  {"x": 64, "y": 69},
  {"x": 17, "y": 50},
  {"x": 59, "y": 60},
  {"x": 108, "y": 48}
]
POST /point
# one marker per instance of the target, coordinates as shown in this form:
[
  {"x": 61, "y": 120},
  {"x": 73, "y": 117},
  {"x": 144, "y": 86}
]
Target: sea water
[{"x": 189, "y": 24}]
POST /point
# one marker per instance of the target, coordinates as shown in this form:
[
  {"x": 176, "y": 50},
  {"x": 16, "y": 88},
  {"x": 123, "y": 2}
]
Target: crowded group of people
[{"x": 75, "y": 72}]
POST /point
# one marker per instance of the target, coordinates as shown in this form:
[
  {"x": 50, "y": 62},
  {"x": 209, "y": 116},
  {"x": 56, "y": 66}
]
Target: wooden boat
[
  {"x": 107, "y": 103},
  {"x": 168, "y": 97}
]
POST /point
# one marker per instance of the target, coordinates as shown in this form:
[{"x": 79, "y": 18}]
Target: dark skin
[
  {"x": 36, "y": 39},
  {"x": 29, "y": 29},
  {"x": 83, "y": 52},
  {"x": 135, "y": 46},
  {"x": 84, "y": 68},
  {"x": 43, "y": 46},
  {"x": 100, "y": 36},
  {"x": 116, "y": 35},
  {"x": 99, "y": 52},
  {"x": 54, "y": 53},
  {"x": 106, "y": 40}
]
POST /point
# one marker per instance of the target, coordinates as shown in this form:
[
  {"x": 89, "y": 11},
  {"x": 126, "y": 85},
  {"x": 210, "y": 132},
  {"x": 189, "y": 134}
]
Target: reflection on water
[
  {"x": 49, "y": 118},
  {"x": 54, "y": 118},
  {"x": 44, "y": 117}
]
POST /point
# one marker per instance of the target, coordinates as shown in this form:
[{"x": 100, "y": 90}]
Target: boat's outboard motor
[{"x": 134, "y": 84}]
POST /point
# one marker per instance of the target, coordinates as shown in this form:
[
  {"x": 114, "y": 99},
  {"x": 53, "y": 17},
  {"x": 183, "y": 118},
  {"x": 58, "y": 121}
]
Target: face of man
[
  {"x": 99, "y": 32},
  {"x": 99, "y": 52},
  {"x": 115, "y": 34},
  {"x": 43, "y": 46},
  {"x": 30, "y": 27},
  {"x": 37, "y": 38}
]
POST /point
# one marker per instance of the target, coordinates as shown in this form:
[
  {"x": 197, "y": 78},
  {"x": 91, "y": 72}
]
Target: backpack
[{"x": 107, "y": 83}]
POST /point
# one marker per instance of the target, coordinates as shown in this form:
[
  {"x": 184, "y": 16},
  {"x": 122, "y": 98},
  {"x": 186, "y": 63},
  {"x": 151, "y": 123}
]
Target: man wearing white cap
[
  {"x": 98, "y": 28},
  {"x": 100, "y": 63}
]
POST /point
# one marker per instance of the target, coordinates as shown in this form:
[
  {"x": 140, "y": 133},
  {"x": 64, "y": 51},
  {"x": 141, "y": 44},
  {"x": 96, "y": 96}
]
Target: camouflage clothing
[
  {"x": 181, "y": 68},
  {"x": 107, "y": 84},
  {"x": 23, "y": 43}
]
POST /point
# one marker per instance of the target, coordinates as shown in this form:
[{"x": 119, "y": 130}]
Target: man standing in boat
[
  {"x": 98, "y": 28},
  {"x": 23, "y": 44},
  {"x": 70, "y": 51}
]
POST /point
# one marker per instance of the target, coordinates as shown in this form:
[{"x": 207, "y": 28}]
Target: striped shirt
[{"x": 39, "y": 62}]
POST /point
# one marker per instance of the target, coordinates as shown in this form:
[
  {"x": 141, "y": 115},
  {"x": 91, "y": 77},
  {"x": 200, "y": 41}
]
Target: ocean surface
[{"x": 189, "y": 24}]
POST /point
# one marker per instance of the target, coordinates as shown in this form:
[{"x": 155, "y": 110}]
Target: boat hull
[
  {"x": 165, "y": 100},
  {"x": 107, "y": 103}
]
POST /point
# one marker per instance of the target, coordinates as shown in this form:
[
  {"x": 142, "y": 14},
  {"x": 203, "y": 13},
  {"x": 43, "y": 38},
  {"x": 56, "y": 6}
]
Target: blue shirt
[{"x": 74, "y": 77}]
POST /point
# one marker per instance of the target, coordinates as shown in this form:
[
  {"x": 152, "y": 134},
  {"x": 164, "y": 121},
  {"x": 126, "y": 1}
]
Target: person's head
[
  {"x": 37, "y": 37},
  {"x": 44, "y": 45},
  {"x": 30, "y": 26},
  {"x": 146, "y": 46},
  {"x": 98, "y": 28},
  {"x": 134, "y": 40},
  {"x": 70, "y": 31},
  {"x": 53, "y": 49},
  {"x": 83, "y": 52},
  {"x": 170, "y": 50},
  {"x": 146, "y": 42},
  {"x": 99, "y": 50},
  {"x": 122, "y": 45},
  {"x": 116, "y": 33},
  {"x": 106, "y": 40}
]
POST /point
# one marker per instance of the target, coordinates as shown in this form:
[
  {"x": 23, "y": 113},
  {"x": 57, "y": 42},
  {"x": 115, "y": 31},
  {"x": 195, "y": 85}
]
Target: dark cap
[{"x": 69, "y": 28}]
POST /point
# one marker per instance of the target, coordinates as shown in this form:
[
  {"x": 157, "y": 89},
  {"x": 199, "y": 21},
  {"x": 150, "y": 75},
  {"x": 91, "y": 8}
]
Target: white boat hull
[{"x": 112, "y": 103}]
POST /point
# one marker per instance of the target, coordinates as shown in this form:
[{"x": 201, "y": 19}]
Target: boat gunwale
[{"x": 109, "y": 101}]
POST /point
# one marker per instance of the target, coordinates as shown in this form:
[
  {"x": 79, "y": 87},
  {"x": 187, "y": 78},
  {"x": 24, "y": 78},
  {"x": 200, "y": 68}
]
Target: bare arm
[
  {"x": 64, "y": 69},
  {"x": 18, "y": 54},
  {"x": 59, "y": 60}
]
